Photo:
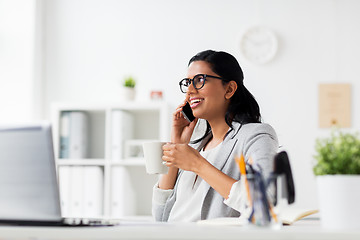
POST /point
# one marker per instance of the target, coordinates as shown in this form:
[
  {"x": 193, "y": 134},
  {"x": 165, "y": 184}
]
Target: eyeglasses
[{"x": 198, "y": 82}]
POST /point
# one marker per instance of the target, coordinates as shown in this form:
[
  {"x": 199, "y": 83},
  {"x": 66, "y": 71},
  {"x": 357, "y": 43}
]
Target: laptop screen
[{"x": 28, "y": 182}]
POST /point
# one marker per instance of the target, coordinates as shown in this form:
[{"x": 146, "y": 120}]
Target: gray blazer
[{"x": 255, "y": 140}]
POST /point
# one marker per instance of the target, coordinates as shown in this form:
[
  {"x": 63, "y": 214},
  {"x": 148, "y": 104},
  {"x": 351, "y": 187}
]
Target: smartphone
[{"x": 187, "y": 112}]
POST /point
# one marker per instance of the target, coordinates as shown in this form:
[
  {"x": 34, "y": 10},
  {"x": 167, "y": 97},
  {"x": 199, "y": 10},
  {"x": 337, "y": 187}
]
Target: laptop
[{"x": 29, "y": 192}]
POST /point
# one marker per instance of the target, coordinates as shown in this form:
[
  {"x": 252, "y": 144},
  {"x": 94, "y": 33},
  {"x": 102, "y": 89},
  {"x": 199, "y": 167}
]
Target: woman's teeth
[{"x": 195, "y": 101}]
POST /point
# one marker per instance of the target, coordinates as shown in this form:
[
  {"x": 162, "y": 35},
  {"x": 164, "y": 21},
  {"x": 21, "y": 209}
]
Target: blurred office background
[{"x": 79, "y": 50}]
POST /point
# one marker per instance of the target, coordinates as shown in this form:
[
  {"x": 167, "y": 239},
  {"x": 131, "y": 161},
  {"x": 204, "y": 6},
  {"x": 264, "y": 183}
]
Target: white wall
[
  {"x": 17, "y": 39},
  {"x": 91, "y": 44}
]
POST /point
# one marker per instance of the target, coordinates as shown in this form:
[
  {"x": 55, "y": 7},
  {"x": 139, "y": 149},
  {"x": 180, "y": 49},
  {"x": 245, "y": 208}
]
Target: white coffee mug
[{"x": 153, "y": 158}]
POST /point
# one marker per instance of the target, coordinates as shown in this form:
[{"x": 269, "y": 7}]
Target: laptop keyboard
[{"x": 89, "y": 222}]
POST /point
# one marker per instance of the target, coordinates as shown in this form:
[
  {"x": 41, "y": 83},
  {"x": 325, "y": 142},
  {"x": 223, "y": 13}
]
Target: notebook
[
  {"x": 29, "y": 192},
  {"x": 287, "y": 217}
]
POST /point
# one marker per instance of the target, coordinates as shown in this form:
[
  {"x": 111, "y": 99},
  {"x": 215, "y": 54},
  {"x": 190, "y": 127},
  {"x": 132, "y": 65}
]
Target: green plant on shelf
[
  {"x": 338, "y": 154},
  {"x": 129, "y": 82}
]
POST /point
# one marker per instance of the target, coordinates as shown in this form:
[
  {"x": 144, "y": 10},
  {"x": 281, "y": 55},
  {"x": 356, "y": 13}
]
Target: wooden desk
[{"x": 306, "y": 229}]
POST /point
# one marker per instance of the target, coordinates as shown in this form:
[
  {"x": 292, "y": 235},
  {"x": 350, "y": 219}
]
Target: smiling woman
[{"x": 203, "y": 180}]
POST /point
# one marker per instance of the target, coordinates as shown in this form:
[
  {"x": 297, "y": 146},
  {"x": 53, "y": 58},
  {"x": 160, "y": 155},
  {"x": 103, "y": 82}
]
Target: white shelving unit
[{"x": 126, "y": 187}]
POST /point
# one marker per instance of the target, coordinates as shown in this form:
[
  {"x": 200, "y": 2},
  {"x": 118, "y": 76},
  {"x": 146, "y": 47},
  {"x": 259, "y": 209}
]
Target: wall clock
[{"x": 259, "y": 44}]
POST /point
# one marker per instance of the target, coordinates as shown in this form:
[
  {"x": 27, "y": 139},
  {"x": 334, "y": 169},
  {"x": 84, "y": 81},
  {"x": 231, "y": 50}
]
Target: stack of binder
[
  {"x": 74, "y": 134},
  {"x": 122, "y": 130},
  {"x": 123, "y": 197},
  {"x": 81, "y": 187},
  {"x": 81, "y": 191}
]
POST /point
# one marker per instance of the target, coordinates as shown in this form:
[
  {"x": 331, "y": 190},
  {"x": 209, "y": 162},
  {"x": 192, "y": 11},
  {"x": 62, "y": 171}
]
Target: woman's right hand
[{"x": 181, "y": 130}]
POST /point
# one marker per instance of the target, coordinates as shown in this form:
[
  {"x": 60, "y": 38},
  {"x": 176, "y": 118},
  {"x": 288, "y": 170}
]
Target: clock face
[{"x": 259, "y": 45}]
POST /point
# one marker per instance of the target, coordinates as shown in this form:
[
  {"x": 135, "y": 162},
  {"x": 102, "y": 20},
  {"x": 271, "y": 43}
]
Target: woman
[{"x": 203, "y": 178}]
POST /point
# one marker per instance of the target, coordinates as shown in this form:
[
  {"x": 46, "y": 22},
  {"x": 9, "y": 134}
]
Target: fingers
[
  {"x": 193, "y": 123},
  {"x": 182, "y": 104},
  {"x": 178, "y": 114},
  {"x": 168, "y": 154},
  {"x": 179, "y": 108},
  {"x": 167, "y": 146},
  {"x": 168, "y": 161},
  {"x": 168, "y": 158}
]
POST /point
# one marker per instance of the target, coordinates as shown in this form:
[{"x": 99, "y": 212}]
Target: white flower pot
[
  {"x": 339, "y": 201},
  {"x": 127, "y": 93}
]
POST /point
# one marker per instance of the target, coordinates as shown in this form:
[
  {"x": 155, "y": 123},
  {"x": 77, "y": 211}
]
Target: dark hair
[{"x": 243, "y": 107}]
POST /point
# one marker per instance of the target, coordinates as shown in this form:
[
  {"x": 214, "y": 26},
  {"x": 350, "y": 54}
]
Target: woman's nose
[{"x": 191, "y": 89}]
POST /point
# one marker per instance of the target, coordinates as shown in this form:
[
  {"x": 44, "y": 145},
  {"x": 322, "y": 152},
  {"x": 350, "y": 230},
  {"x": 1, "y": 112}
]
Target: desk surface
[{"x": 306, "y": 229}]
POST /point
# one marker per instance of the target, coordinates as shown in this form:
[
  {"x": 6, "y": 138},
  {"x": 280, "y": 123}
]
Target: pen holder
[
  {"x": 261, "y": 198},
  {"x": 264, "y": 193}
]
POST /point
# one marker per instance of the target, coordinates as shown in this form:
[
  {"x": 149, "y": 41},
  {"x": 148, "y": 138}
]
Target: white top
[
  {"x": 255, "y": 140},
  {"x": 191, "y": 212},
  {"x": 191, "y": 192}
]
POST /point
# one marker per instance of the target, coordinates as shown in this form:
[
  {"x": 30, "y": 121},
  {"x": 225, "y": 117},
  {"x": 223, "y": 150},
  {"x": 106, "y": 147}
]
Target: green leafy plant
[
  {"x": 129, "y": 82},
  {"x": 338, "y": 154}
]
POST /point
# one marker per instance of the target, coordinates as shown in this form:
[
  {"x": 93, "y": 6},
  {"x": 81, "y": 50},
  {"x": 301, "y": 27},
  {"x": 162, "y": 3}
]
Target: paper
[
  {"x": 291, "y": 215},
  {"x": 334, "y": 105},
  {"x": 288, "y": 217}
]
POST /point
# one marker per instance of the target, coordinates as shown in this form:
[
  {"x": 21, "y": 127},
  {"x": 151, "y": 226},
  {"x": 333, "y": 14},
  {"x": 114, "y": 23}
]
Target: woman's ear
[{"x": 230, "y": 89}]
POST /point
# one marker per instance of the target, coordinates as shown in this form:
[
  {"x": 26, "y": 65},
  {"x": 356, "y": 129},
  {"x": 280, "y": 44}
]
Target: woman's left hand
[
  {"x": 183, "y": 156},
  {"x": 187, "y": 158}
]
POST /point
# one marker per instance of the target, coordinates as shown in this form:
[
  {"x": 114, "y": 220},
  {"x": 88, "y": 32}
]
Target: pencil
[{"x": 241, "y": 163}]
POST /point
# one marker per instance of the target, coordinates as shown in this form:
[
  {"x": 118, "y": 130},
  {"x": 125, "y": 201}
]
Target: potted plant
[
  {"x": 128, "y": 88},
  {"x": 337, "y": 171}
]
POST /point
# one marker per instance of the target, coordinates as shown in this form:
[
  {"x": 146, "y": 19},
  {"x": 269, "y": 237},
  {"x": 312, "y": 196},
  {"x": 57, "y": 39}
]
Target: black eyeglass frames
[{"x": 198, "y": 82}]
